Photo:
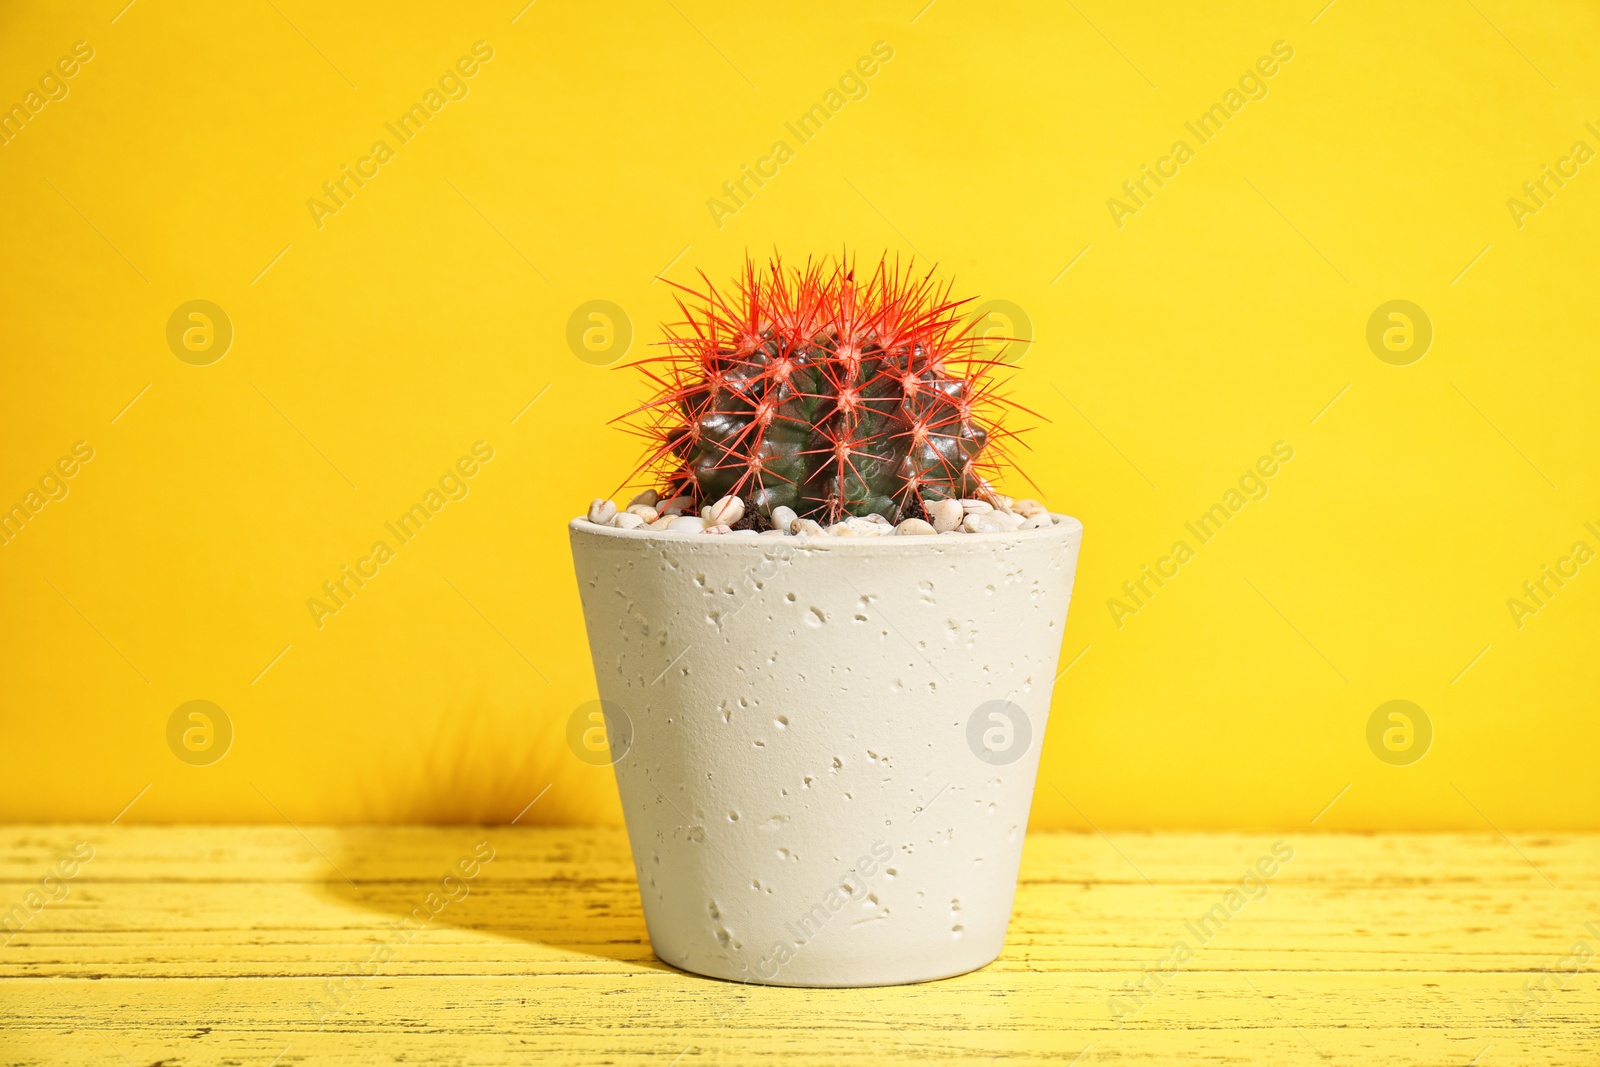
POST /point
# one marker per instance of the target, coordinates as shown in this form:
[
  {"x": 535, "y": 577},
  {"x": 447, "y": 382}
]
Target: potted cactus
[{"x": 824, "y": 641}]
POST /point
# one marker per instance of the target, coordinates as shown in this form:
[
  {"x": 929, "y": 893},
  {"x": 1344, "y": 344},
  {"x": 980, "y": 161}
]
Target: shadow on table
[
  {"x": 569, "y": 889},
  {"x": 447, "y": 859}
]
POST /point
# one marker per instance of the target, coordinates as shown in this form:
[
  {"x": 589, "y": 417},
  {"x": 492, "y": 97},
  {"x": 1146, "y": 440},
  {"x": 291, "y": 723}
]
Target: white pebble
[
  {"x": 1009, "y": 520},
  {"x": 671, "y": 512},
  {"x": 649, "y": 498},
  {"x": 945, "y": 515},
  {"x": 914, "y": 526},
  {"x": 783, "y": 519},
  {"x": 686, "y": 524},
  {"x": 725, "y": 512},
  {"x": 680, "y": 502},
  {"x": 626, "y": 520},
  {"x": 644, "y": 511},
  {"x": 1040, "y": 521},
  {"x": 1029, "y": 507},
  {"x": 975, "y": 507},
  {"x": 867, "y": 528},
  {"x": 1003, "y": 502},
  {"x": 879, "y": 519},
  {"x": 746, "y": 532},
  {"x": 841, "y": 529},
  {"x": 808, "y": 528},
  {"x": 663, "y": 523},
  {"x": 957, "y": 530},
  {"x": 981, "y": 523},
  {"x": 774, "y": 533},
  {"x": 718, "y": 528},
  {"x": 601, "y": 511}
]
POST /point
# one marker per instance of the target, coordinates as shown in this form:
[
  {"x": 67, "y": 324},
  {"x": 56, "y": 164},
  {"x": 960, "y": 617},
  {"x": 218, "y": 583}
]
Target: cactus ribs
[{"x": 814, "y": 390}]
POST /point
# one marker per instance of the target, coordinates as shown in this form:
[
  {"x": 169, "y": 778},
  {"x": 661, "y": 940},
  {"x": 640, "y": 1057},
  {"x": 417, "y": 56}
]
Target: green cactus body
[{"x": 822, "y": 395}]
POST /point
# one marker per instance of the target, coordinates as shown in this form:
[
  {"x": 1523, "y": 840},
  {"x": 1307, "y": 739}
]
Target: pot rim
[{"x": 1065, "y": 527}]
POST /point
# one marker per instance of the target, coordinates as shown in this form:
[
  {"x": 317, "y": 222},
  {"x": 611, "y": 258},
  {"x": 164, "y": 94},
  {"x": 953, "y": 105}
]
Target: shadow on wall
[{"x": 484, "y": 767}]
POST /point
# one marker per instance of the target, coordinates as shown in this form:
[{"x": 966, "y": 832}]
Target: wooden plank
[{"x": 219, "y": 945}]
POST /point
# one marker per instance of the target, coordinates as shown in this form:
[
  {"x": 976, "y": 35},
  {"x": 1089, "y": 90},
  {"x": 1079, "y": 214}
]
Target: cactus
[{"x": 812, "y": 390}]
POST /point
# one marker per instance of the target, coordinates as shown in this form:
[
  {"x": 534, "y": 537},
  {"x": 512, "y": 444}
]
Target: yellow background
[{"x": 426, "y": 314}]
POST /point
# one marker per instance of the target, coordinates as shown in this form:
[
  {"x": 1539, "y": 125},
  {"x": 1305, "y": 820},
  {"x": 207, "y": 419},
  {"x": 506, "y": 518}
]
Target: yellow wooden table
[{"x": 261, "y": 946}]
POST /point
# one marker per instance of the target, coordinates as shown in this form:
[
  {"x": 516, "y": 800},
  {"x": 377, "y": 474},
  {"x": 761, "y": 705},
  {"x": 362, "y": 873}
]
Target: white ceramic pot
[{"x": 826, "y": 747}]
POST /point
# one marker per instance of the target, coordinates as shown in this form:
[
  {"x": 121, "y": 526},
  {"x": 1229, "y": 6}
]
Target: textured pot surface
[{"x": 828, "y": 744}]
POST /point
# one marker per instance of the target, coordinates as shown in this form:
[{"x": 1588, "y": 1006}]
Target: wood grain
[{"x": 229, "y": 945}]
